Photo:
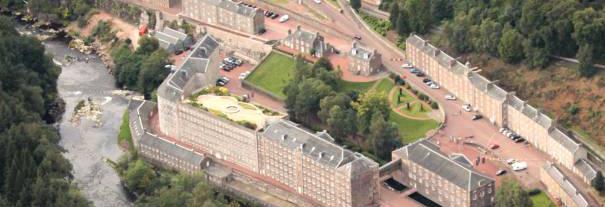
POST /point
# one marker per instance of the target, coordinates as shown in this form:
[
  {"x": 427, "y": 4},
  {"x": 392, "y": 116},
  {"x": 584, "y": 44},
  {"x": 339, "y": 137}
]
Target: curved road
[{"x": 458, "y": 122}]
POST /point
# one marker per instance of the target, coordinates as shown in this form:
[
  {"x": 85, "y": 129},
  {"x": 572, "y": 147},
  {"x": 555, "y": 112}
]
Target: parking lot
[{"x": 235, "y": 87}]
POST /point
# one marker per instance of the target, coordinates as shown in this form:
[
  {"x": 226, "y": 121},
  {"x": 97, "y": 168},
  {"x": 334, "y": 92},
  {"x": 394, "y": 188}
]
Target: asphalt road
[{"x": 458, "y": 123}]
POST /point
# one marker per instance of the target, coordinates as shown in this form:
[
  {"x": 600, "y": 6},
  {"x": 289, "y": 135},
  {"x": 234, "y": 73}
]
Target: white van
[{"x": 518, "y": 166}]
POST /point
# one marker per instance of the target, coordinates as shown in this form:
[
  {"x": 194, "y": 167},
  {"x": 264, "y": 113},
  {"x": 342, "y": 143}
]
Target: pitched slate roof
[
  {"x": 428, "y": 155},
  {"x": 568, "y": 142},
  {"x": 138, "y": 112},
  {"x": 586, "y": 169},
  {"x": 234, "y": 7},
  {"x": 172, "y": 149},
  {"x": 194, "y": 67},
  {"x": 302, "y": 35},
  {"x": 289, "y": 135},
  {"x": 571, "y": 190},
  {"x": 361, "y": 52}
]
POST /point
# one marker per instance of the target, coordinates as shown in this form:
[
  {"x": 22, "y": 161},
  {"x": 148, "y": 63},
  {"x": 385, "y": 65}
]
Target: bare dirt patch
[{"x": 124, "y": 29}]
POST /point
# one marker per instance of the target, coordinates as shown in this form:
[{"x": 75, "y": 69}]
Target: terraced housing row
[{"x": 503, "y": 108}]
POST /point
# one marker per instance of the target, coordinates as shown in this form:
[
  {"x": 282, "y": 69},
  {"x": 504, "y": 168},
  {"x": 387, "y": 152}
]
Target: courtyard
[
  {"x": 409, "y": 113},
  {"x": 273, "y": 74}
]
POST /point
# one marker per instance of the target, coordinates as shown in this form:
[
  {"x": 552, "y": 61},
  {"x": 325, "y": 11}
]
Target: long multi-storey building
[
  {"x": 564, "y": 192},
  {"x": 502, "y": 108},
  {"x": 225, "y": 13},
  {"x": 306, "y": 163},
  {"x": 448, "y": 182}
]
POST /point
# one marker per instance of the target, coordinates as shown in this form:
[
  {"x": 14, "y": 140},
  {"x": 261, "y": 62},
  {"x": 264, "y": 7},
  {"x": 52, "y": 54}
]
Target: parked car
[
  {"x": 420, "y": 74},
  {"x": 434, "y": 86},
  {"x": 467, "y": 107},
  {"x": 268, "y": 13},
  {"x": 357, "y": 37},
  {"x": 317, "y": 1},
  {"x": 414, "y": 70},
  {"x": 518, "y": 166},
  {"x": 450, "y": 97},
  {"x": 426, "y": 80},
  {"x": 222, "y": 81},
  {"x": 511, "y": 161},
  {"x": 476, "y": 117},
  {"x": 406, "y": 66},
  {"x": 284, "y": 18},
  {"x": 519, "y": 140},
  {"x": 274, "y": 15},
  {"x": 502, "y": 129},
  {"x": 500, "y": 172},
  {"x": 494, "y": 146}
]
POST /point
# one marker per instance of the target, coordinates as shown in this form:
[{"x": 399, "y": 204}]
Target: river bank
[{"x": 88, "y": 140}]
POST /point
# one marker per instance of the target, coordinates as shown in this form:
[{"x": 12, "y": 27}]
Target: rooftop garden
[{"x": 219, "y": 102}]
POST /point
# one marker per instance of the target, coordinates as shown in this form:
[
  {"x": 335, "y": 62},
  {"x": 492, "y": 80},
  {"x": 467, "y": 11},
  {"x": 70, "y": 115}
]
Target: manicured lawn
[
  {"x": 385, "y": 85},
  {"x": 541, "y": 200},
  {"x": 360, "y": 87},
  {"x": 411, "y": 130},
  {"x": 273, "y": 74}
]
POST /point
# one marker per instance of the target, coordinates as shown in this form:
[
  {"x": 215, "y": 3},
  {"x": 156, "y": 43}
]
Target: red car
[{"x": 494, "y": 146}]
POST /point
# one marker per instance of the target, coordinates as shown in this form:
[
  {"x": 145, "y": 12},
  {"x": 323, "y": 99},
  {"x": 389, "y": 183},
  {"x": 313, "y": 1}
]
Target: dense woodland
[
  {"x": 33, "y": 172},
  {"x": 314, "y": 97},
  {"x": 516, "y": 31}
]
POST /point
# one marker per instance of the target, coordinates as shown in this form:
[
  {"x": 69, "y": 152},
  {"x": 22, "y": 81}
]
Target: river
[{"x": 86, "y": 145}]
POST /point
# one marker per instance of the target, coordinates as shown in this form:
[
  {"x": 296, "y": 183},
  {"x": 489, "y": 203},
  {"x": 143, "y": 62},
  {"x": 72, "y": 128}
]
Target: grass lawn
[
  {"x": 411, "y": 130},
  {"x": 125, "y": 137},
  {"x": 360, "y": 87},
  {"x": 273, "y": 74},
  {"x": 385, "y": 85},
  {"x": 541, "y": 200}
]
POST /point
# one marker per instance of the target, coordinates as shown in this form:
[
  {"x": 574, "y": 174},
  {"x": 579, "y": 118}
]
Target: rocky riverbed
[{"x": 91, "y": 138}]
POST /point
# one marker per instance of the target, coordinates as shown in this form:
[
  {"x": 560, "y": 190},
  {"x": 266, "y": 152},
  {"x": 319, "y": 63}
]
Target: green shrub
[
  {"x": 534, "y": 191},
  {"x": 434, "y": 105}
]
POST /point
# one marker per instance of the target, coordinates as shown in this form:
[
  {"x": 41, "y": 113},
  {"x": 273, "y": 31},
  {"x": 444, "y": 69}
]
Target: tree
[
  {"x": 356, "y": 4},
  {"x": 340, "y": 99},
  {"x": 147, "y": 45},
  {"x": 585, "y": 57},
  {"x": 383, "y": 136},
  {"x": 510, "y": 194},
  {"x": 368, "y": 104},
  {"x": 417, "y": 10},
  {"x": 33, "y": 172},
  {"x": 138, "y": 176},
  {"x": 152, "y": 72},
  {"x": 488, "y": 38},
  {"x": 510, "y": 47},
  {"x": 442, "y": 9},
  {"x": 597, "y": 183},
  {"x": 336, "y": 123},
  {"x": 394, "y": 14},
  {"x": 402, "y": 26},
  {"x": 458, "y": 34}
]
